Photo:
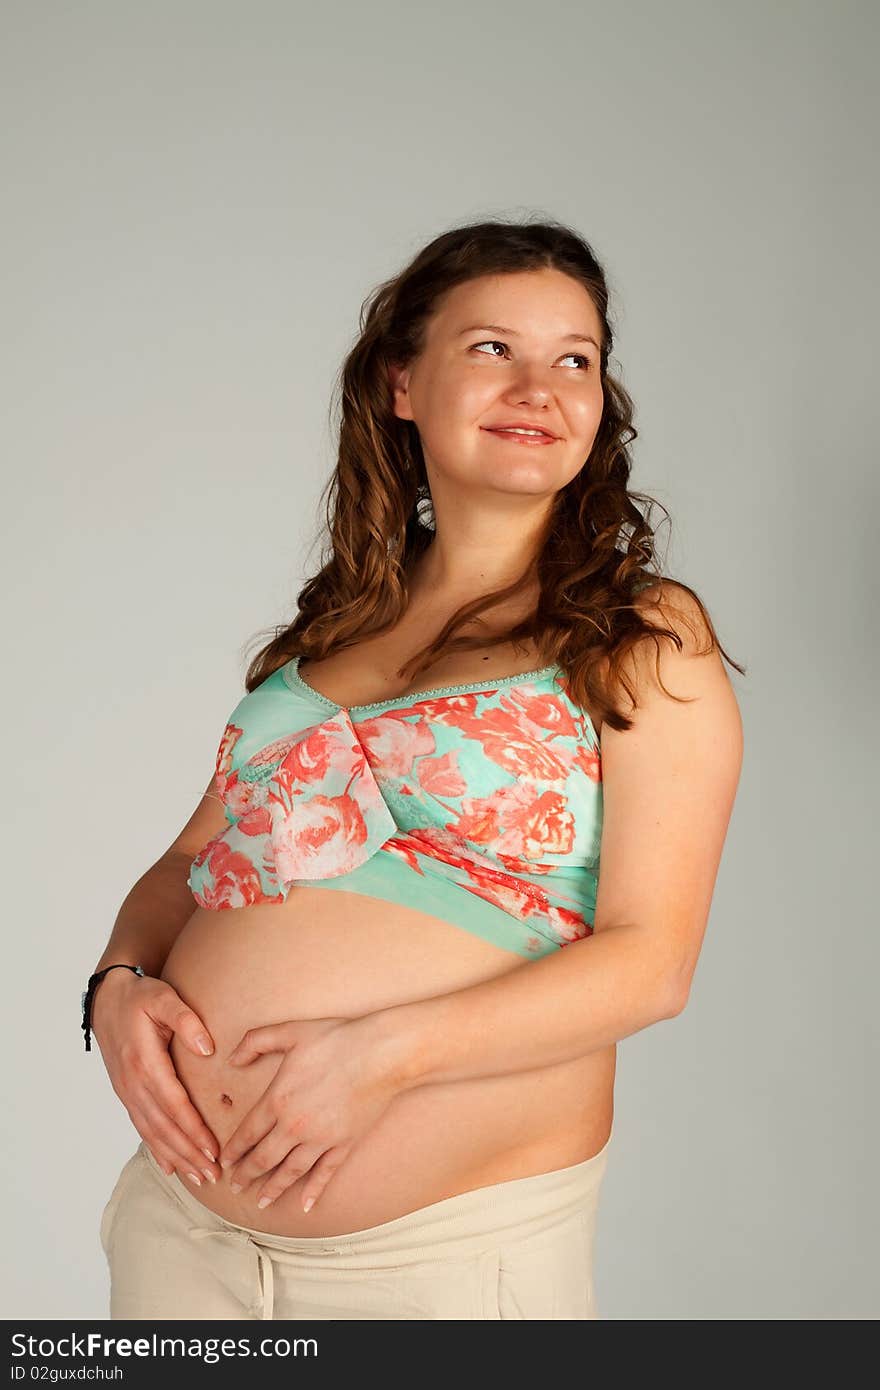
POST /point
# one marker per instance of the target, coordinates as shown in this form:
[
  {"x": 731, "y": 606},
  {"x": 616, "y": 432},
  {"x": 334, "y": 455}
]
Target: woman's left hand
[{"x": 332, "y": 1086}]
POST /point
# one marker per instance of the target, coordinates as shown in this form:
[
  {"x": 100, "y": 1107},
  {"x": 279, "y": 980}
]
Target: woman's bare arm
[
  {"x": 152, "y": 916},
  {"x": 669, "y": 785},
  {"x": 160, "y": 904}
]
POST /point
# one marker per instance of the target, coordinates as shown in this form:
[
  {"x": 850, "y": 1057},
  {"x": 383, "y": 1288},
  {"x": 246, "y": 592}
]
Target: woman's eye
[{"x": 495, "y": 342}]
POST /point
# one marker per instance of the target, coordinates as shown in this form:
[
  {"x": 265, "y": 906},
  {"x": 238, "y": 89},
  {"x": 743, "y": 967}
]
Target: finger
[
  {"x": 257, "y": 1042},
  {"x": 168, "y": 1161},
  {"x": 268, "y": 1154},
  {"x": 257, "y": 1123},
  {"x": 169, "y": 1010},
  {"x": 156, "y": 1148},
  {"x": 297, "y": 1162},
  {"x": 321, "y": 1174},
  {"x": 188, "y": 1156},
  {"x": 172, "y": 1096},
  {"x": 164, "y": 1163}
]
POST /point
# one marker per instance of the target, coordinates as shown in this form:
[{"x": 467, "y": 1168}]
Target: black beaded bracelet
[{"x": 89, "y": 993}]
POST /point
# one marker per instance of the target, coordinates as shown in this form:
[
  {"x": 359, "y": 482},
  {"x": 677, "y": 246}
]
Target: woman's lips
[{"x": 521, "y": 438}]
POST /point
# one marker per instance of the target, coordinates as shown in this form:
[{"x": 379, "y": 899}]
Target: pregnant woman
[{"x": 370, "y": 1045}]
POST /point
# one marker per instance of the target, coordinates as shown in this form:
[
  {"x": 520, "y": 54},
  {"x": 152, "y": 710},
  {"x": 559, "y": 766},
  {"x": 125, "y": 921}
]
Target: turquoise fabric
[{"x": 480, "y": 804}]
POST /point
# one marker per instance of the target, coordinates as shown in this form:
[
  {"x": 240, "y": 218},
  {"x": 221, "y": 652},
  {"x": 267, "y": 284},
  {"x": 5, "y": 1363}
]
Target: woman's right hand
[{"x": 133, "y": 1020}]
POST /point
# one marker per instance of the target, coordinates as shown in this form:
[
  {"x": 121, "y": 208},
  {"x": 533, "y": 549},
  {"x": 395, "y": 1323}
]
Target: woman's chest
[{"x": 370, "y": 671}]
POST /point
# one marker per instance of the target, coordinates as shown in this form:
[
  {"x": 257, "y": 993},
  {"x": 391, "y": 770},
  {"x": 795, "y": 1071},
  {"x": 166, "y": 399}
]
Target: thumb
[
  {"x": 181, "y": 1019},
  {"x": 274, "y": 1037}
]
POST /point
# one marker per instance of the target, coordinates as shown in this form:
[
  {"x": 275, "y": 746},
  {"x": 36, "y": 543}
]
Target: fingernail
[
  {"x": 235, "y": 1186},
  {"x": 197, "y": 1180},
  {"x": 209, "y": 1175},
  {"x": 265, "y": 1201},
  {"x": 308, "y": 1203},
  {"x": 208, "y": 1154},
  {"x": 204, "y": 1046},
  {"x": 225, "y": 1162}
]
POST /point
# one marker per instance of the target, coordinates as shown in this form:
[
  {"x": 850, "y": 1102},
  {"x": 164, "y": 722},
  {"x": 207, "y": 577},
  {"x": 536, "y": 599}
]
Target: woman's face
[{"x": 519, "y": 348}]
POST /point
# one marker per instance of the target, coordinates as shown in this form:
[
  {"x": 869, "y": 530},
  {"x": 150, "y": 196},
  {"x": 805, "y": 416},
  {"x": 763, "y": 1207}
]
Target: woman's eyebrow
[{"x": 497, "y": 328}]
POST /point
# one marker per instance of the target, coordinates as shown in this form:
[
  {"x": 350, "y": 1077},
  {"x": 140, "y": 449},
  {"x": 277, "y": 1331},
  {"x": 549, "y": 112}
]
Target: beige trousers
[{"x": 516, "y": 1249}]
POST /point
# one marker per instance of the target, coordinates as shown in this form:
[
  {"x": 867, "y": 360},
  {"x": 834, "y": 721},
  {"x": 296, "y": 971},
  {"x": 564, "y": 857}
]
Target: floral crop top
[{"x": 480, "y": 804}]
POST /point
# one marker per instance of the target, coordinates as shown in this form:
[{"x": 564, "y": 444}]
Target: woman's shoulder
[{"x": 669, "y": 604}]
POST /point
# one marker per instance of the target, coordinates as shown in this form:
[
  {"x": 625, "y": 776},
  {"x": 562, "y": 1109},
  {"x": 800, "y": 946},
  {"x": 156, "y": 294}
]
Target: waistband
[
  {"x": 511, "y": 1210},
  {"x": 467, "y": 1224}
]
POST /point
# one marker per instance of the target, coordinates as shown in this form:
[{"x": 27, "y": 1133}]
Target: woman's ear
[{"x": 398, "y": 378}]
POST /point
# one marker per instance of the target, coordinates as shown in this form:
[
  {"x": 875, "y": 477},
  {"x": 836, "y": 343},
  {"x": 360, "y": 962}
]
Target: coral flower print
[
  {"x": 483, "y": 806},
  {"x": 323, "y": 838},
  {"x": 393, "y": 744},
  {"x": 231, "y": 734},
  {"x": 441, "y": 776},
  {"x": 233, "y": 881}
]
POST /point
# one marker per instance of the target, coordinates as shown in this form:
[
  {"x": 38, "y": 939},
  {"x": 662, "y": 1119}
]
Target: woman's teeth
[{"x": 526, "y": 434}]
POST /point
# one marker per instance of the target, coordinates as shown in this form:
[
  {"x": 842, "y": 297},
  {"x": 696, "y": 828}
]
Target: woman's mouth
[{"x": 532, "y": 437}]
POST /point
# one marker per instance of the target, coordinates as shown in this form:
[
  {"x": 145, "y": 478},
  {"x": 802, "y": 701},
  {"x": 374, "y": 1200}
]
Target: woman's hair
[{"x": 596, "y": 552}]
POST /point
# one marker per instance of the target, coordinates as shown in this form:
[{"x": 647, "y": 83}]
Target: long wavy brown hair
[{"x": 596, "y": 553}]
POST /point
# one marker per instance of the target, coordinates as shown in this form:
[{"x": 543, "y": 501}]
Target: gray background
[{"x": 197, "y": 196}]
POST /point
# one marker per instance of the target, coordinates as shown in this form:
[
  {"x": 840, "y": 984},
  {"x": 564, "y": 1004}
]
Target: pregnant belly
[{"x": 341, "y": 954}]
